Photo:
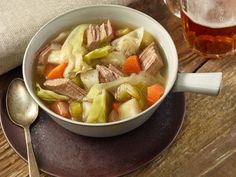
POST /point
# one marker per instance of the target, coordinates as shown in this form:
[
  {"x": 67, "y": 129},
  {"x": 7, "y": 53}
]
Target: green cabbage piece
[
  {"x": 89, "y": 78},
  {"x": 76, "y": 110},
  {"x": 48, "y": 95},
  {"x": 115, "y": 58},
  {"x": 129, "y": 43},
  {"x": 73, "y": 50},
  {"x": 94, "y": 92},
  {"x": 100, "y": 108},
  {"x": 86, "y": 106}
]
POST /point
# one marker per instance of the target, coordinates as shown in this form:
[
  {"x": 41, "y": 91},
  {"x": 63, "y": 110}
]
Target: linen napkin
[{"x": 19, "y": 20}]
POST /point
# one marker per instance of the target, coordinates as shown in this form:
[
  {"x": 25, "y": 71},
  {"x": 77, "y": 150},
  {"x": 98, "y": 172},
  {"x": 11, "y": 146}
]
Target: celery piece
[
  {"x": 76, "y": 110},
  {"x": 77, "y": 81},
  {"x": 126, "y": 91},
  {"x": 123, "y": 31},
  {"x": 98, "y": 53},
  {"x": 147, "y": 40}
]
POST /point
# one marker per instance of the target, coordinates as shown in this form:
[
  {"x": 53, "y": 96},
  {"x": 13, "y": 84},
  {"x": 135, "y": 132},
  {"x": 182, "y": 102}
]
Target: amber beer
[{"x": 214, "y": 40}]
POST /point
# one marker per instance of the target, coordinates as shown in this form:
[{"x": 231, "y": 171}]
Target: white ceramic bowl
[{"x": 112, "y": 12}]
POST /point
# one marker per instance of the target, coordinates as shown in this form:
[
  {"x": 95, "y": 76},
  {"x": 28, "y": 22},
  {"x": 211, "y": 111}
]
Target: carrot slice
[
  {"x": 116, "y": 106},
  {"x": 61, "y": 108},
  {"x": 57, "y": 72},
  {"x": 48, "y": 68},
  {"x": 154, "y": 93},
  {"x": 132, "y": 65}
]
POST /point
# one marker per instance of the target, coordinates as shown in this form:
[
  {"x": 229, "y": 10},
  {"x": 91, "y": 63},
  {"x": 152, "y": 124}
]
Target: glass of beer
[{"x": 209, "y": 25}]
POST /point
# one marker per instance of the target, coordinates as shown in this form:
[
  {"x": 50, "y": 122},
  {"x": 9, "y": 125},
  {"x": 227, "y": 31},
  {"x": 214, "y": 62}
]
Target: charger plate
[{"x": 62, "y": 153}]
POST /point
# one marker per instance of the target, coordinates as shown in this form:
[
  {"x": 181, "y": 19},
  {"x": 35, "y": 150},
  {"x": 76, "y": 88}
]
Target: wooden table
[{"x": 206, "y": 145}]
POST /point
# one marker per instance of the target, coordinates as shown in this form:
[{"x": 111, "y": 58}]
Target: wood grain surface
[{"x": 206, "y": 145}]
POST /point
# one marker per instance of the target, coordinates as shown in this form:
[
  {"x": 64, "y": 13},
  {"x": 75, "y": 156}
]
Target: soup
[{"x": 100, "y": 72}]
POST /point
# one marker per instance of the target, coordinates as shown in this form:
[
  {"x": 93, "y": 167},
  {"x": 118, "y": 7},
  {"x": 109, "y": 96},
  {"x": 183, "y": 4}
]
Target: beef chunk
[
  {"x": 66, "y": 87},
  {"x": 115, "y": 71},
  {"x": 43, "y": 55},
  {"x": 151, "y": 60},
  {"x": 109, "y": 30},
  {"x": 105, "y": 74},
  {"x": 92, "y": 41},
  {"x": 97, "y": 34},
  {"x": 108, "y": 74}
]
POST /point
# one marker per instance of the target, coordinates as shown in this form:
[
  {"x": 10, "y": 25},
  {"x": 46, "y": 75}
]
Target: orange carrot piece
[
  {"x": 57, "y": 72},
  {"x": 116, "y": 106},
  {"x": 61, "y": 108},
  {"x": 154, "y": 93},
  {"x": 48, "y": 68},
  {"x": 132, "y": 65}
]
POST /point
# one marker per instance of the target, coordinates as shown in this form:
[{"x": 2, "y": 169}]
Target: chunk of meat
[
  {"x": 103, "y": 33},
  {"x": 97, "y": 30},
  {"x": 97, "y": 34},
  {"x": 116, "y": 71},
  {"x": 91, "y": 38},
  {"x": 43, "y": 55},
  {"x": 108, "y": 74},
  {"x": 105, "y": 74},
  {"x": 151, "y": 60},
  {"x": 109, "y": 30},
  {"x": 66, "y": 87}
]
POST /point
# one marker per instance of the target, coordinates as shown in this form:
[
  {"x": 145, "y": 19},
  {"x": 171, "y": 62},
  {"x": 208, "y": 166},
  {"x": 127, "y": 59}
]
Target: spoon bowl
[
  {"x": 21, "y": 107},
  {"x": 23, "y": 111}
]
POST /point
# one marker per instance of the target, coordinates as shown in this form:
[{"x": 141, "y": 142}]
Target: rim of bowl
[{"x": 39, "y": 102}]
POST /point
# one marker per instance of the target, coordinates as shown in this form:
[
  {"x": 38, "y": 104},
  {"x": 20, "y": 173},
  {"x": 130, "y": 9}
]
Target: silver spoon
[{"x": 23, "y": 111}]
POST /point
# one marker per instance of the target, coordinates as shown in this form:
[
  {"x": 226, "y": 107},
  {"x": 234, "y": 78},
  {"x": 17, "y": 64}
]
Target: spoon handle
[{"x": 32, "y": 164}]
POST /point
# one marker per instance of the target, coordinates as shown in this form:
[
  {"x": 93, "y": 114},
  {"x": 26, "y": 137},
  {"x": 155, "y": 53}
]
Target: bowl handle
[{"x": 204, "y": 83}]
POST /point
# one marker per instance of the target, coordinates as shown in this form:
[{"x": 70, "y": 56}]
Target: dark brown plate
[{"x": 62, "y": 153}]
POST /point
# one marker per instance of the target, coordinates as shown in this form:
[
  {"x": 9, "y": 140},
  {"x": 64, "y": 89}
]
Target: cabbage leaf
[
  {"x": 73, "y": 50},
  {"x": 115, "y": 58},
  {"x": 129, "y": 43}
]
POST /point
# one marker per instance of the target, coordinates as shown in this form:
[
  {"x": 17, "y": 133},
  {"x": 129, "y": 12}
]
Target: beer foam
[{"x": 213, "y": 14}]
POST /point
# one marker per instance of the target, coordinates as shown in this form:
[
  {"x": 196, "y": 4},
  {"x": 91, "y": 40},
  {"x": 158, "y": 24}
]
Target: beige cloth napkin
[{"x": 19, "y": 20}]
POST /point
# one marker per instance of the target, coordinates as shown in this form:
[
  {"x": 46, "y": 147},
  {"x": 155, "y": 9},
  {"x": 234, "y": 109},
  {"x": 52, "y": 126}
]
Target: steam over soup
[{"x": 99, "y": 73}]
